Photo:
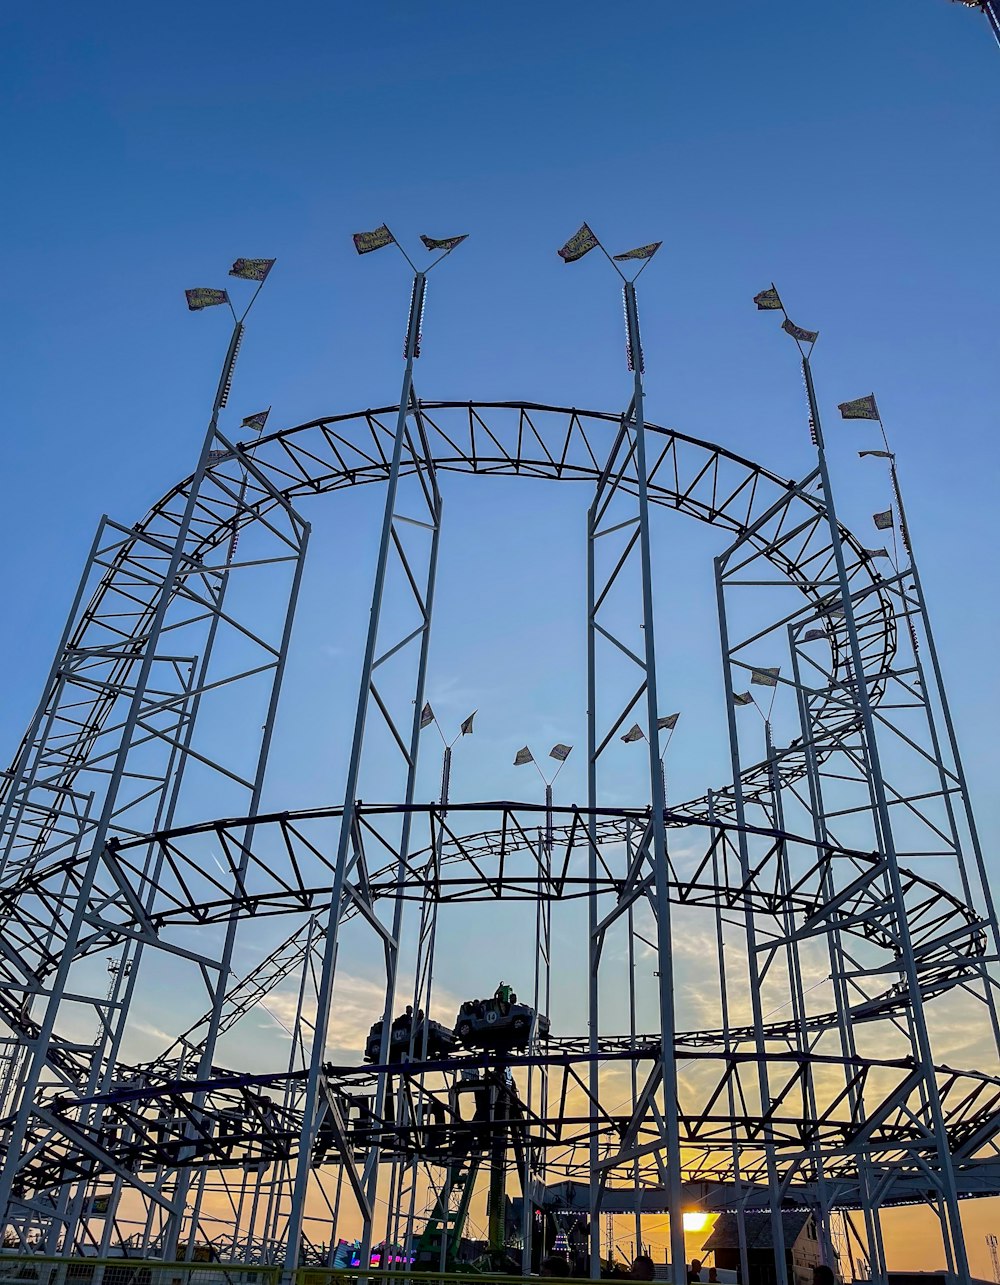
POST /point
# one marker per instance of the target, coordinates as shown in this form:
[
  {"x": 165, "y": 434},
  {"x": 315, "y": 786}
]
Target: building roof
[{"x": 725, "y": 1233}]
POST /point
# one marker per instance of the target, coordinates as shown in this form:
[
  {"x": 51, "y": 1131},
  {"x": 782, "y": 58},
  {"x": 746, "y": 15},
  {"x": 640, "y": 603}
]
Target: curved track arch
[{"x": 527, "y": 440}]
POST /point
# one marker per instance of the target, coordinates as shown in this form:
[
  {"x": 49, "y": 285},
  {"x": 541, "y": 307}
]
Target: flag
[
  {"x": 883, "y": 520},
  {"x": 765, "y": 677},
  {"x": 578, "y": 245},
  {"x": 634, "y": 733},
  {"x": 215, "y": 456},
  {"x": 767, "y": 300},
  {"x": 640, "y": 252},
  {"x": 443, "y": 243},
  {"x": 742, "y": 698},
  {"x": 204, "y": 297},
  {"x": 877, "y": 553},
  {"x": 257, "y": 422},
  {"x": 813, "y": 635},
  {"x": 426, "y": 716},
  {"x": 560, "y": 752},
  {"x": 523, "y": 756},
  {"x": 467, "y": 725},
  {"x": 668, "y": 723},
  {"x": 365, "y": 242},
  {"x": 803, "y": 336},
  {"x": 860, "y": 408},
  {"x": 252, "y": 269},
  {"x": 879, "y": 455}
]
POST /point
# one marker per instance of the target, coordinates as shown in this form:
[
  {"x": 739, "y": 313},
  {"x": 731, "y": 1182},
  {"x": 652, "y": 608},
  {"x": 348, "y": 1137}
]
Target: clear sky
[{"x": 846, "y": 151}]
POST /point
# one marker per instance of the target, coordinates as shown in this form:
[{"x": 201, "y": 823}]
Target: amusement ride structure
[{"x": 836, "y": 880}]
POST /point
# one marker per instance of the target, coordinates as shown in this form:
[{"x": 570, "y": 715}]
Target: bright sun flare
[{"x": 695, "y": 1221}]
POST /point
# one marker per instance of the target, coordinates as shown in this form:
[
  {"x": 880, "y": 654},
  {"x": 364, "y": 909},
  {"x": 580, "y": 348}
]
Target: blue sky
[{"x": 847, "y": 152}]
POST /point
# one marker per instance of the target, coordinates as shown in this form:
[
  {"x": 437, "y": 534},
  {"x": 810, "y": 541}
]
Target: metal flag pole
[
  {"x": 906, "y": 584},
  {"x": 365, "y": 1187},
  {"x": 632, "y": 434},
  {"x": 991, "y": 8},
  {"x": 664, "y": 944},
  {"x": 805, "y": 340},
  {"x": 958, "y": 766}
]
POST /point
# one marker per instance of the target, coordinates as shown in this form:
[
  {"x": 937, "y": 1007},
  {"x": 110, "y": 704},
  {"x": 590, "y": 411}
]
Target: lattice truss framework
[{"x": 833, "y": 937}]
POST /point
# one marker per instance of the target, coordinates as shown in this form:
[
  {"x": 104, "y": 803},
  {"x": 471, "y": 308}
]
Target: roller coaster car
[
  {"x": 440, "y": 1041},
  {"x": 499, "y": 1022}
]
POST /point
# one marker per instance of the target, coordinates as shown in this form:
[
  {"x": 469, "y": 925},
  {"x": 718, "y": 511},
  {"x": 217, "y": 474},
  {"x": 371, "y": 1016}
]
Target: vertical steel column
[
  {"x": 909, "y": 969},
  {"x": 324, "y": 996},
  {"x": 593, "y": 915},
  {"x": 720, "y": 948},
  {"x": 763, "y": 1079},
  {"x": 423, "y": 980},
  {"x": 795, "y": 990},
  {"x": 985, "y": 888},
  {"x": 595, "y": 936},
  {"x": 838, "y": 972},
  {"x": 392, "y": 955},
  {"x": 664, "y": 943}
]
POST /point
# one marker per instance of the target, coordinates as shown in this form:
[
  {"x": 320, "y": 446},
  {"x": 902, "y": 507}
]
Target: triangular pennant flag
[
  {"x": 877, "y": 553},
  {"x": 443, "y": 243},
  {"x": 578, "y": 245},
  {"x": 365, "y": 242},
  {"x": 467, "y": 725},
  {"x": 204, "y": 297},
  {"x": 813, "y": 635},
  {"x": 879, "y": 455},
  {"x": 252, "y": 269},
  {"x": 560, "y": 752},
  {"x": 765, "y": 677},
  {"x": 742, "y": 698},
  {"x": 767, "y": 300},
  {"x": 523, "y": 756},
  {"x": 640, "y": 252},
  {"x": 860, "y": 408},
  {"x": 668, "y": 723},
  {"x": 883, "y": 520},
  {"x": 803, "y": 336},
  {"x": 634, "y": 733},
  {"x": 426, "y": 716},
  {"x": 257, "y": 422}
]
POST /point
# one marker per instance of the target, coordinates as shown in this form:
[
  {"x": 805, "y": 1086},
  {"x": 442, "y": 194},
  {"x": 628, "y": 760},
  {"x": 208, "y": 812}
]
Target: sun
[{"x": 695, "y": 1220}]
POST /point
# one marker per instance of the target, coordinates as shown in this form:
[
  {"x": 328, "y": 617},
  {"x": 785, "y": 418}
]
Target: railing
[{"x": 40, "y": 1269}]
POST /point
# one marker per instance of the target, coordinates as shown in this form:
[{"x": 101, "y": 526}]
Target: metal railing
[{"x": 40, "y": 1269}]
